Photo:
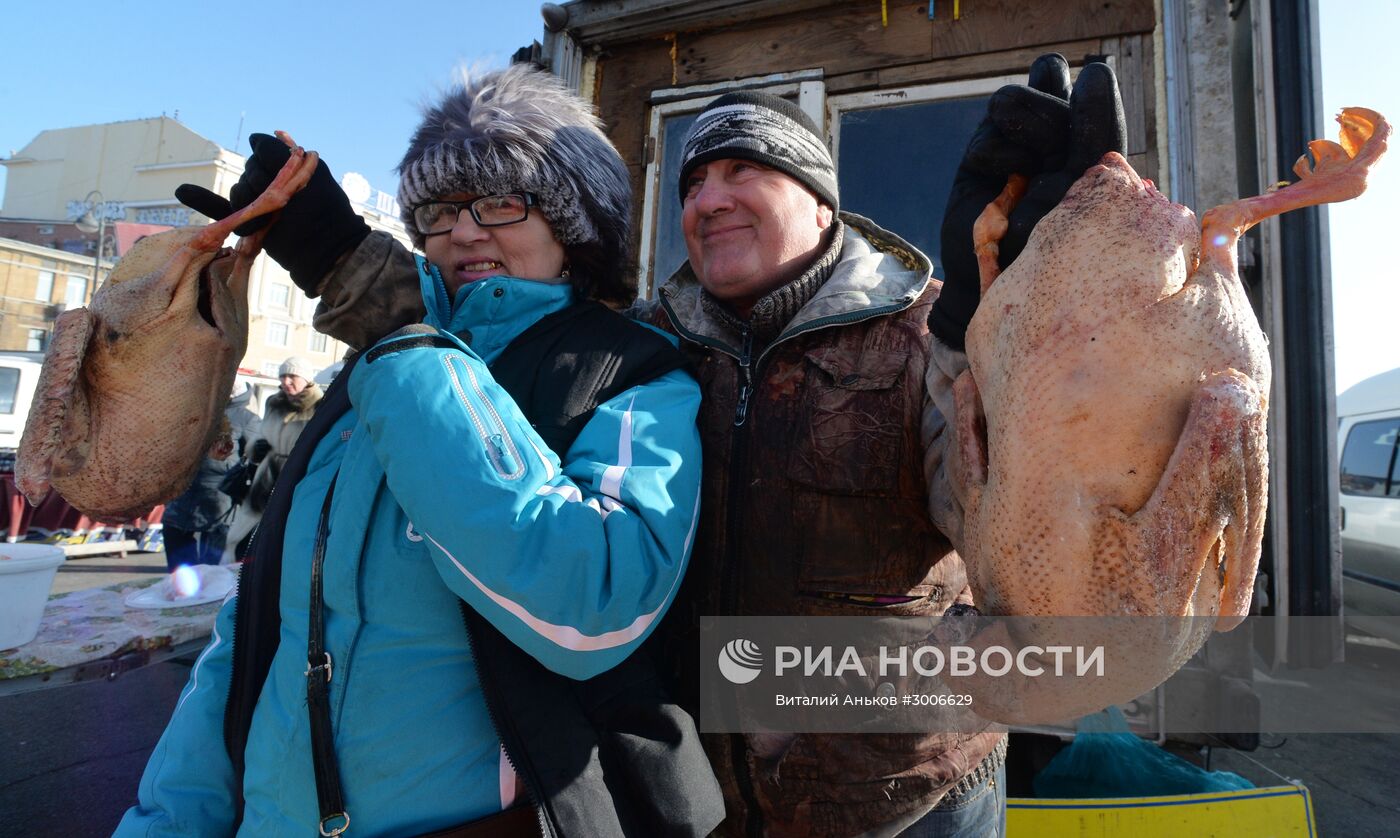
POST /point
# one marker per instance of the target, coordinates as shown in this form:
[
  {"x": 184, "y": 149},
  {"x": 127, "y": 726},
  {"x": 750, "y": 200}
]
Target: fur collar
[{"x": 300, "y": 409}]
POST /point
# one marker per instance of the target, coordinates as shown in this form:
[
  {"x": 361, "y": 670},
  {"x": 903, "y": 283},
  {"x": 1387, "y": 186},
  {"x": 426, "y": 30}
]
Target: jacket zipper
[
  {"x": 741, "y": 409},
  {"x": 490, "y": 428},
  {"x": 505, "y": 733},
  {"x": 729, "y": 578},
  {"x": 738, "y": 467}
]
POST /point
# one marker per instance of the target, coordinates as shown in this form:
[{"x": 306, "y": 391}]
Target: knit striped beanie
[{"x": 766, "y": 129}]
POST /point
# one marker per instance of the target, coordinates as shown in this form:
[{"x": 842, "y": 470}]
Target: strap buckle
[
  {"x": 310, "y": 669},
  {"x": 337, "y": 830}
]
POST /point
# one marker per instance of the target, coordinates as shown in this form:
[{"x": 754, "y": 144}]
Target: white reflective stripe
[
  {"x": 507, "y": 781},
  {"x": 611, "y": 484},
  {"x": 411, "y": 534},
  {"x": 568, "y": 493},
  {"x": 194, "y": 672},
  {"x": 694, "y": 520},
  {"x": 604, "y": 507},
  {"x": 568, "y": 637},
  {"x": 548, "y": 466}
]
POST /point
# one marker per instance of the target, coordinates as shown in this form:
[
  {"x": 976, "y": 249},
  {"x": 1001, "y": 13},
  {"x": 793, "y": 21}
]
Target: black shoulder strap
[
  {"x": 257, "y": 624},
  {"x": 569, "y": 362}
]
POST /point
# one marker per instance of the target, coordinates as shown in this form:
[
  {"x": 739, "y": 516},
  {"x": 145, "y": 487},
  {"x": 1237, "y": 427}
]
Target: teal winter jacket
[{"x": 444, "y": 494}]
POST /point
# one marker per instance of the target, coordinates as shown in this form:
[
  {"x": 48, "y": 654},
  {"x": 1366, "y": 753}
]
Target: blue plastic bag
[{"x": 1107, "y": 760}]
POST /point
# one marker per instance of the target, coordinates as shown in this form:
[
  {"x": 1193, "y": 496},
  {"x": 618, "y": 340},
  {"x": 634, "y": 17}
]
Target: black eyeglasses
[{"x": 438, "y": 217}]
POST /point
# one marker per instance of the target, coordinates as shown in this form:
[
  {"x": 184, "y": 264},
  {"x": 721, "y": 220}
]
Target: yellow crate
[{"x": 1275, "y": 811}]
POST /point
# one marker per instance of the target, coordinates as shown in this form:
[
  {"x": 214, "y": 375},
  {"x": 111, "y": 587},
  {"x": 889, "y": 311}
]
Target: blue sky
[
  {"x": 1360, "y": 66},
  {"x": 347, "y": 78}
]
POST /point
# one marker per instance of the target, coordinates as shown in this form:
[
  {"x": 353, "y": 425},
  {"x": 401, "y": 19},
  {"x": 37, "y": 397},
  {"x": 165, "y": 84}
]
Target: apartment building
[{"x": 36, "y": 285}]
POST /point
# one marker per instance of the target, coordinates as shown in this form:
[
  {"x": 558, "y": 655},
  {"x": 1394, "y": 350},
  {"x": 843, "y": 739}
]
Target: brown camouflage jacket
[{"x": 816, "y": 502}]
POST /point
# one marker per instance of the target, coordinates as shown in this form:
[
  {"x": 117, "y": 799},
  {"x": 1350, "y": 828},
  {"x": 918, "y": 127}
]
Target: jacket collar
[
  {"x": 493, "y": 311},
  {"x": 878, "y": 272},
  {"x": 300, "y": 409}
]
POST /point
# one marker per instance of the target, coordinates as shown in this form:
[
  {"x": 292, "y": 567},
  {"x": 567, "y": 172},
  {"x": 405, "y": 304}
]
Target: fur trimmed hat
[{"x": 521, "y": 130}]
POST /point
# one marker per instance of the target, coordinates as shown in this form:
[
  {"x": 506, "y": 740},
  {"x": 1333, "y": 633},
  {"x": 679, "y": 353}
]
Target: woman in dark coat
[{"x": 195, "y": 525}]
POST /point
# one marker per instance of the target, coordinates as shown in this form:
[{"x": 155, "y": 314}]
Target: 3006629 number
[{"x": 940, "y": 700}]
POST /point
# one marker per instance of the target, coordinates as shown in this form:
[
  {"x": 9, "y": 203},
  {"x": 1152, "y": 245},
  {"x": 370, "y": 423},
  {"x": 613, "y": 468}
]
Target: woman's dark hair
[{"x": 603, "y": 269}]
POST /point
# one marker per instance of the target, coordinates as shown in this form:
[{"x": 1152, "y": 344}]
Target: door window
[
  {"x": 670, "y": 241},
  {"x": 9, "y": 388},
  {"x": 1368, "y": 459},
  {"x": 898, "y": 149}
]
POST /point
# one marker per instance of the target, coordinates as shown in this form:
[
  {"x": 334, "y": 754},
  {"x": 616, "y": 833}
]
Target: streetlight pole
[{"x": 90, "y": 224}]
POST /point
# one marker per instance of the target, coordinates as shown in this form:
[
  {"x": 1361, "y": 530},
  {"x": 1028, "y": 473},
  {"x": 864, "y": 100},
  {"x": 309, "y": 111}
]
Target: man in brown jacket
[
  {"x": 824, "y": 440},
  {"x": 808, "y": 330}
]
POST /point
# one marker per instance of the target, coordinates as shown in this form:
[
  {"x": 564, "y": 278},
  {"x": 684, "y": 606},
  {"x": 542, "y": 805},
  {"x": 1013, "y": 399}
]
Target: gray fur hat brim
[{"x": 521, "y": 130}]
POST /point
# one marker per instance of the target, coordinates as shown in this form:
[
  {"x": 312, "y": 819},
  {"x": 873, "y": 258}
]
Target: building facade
[{"x": 36, "y": 285}]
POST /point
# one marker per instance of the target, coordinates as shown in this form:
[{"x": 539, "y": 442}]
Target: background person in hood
[
  {"x": 269, "y": 443},
  {"x": 194, "y": 527},
  {"x": 286, "y": 414},
  {"x": 242, "y": 419}
]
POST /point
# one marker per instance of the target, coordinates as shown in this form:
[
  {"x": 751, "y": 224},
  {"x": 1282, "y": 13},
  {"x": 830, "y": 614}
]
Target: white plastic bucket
[{"x": 26, "y": 576}]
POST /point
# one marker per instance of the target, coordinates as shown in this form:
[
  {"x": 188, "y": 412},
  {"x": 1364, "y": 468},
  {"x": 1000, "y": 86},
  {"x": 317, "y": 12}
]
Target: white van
[
  {"x": 1368, "y": 429},
  {"x": 19, "y": 377}
]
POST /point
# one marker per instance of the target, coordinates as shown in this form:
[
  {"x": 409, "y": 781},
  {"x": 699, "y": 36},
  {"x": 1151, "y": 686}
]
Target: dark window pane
[
  {"x": 1395, "y": 473},
  {"x": 9, "y": 386},
  {"x": 897, "y": 164},
  {"x": 1368, "y": 457},
  {"x": 670, "y": 241}
]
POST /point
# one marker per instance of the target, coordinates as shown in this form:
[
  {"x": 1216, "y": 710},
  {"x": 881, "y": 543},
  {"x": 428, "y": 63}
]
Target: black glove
[
  {"x": 1039, "y": 130},
  {"x": 260, "y": 449},
  {"x": 315, "y": 228}
]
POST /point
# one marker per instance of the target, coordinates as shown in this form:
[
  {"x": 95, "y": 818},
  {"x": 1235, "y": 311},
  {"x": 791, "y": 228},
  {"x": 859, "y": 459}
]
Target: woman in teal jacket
[{"x": 447, "y": 490}]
